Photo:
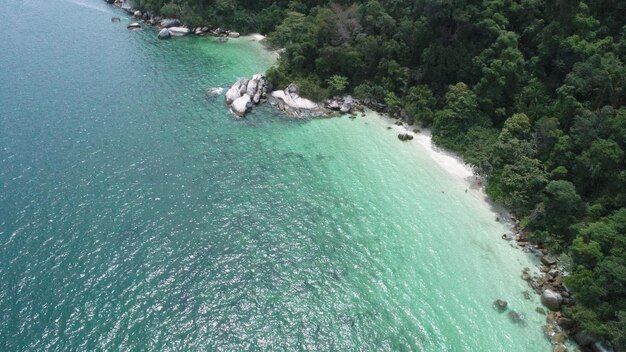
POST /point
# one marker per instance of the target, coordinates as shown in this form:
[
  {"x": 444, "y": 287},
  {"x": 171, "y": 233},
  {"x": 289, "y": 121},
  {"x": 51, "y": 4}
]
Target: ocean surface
[{"x": 137, "y": 213}]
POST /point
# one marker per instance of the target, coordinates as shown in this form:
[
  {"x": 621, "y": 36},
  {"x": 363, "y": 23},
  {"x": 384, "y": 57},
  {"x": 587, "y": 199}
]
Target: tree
[{"x": 337, "y": 84}]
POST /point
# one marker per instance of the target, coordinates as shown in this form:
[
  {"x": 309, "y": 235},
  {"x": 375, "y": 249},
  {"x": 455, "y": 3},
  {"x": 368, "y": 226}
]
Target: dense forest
[{"x": 529, "y": 92}]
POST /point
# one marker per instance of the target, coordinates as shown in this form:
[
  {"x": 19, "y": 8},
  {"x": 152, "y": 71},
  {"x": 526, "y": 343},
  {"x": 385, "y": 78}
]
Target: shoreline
[{"x": 455, "y": 166}]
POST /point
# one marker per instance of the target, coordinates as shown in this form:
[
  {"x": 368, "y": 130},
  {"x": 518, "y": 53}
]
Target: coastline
[
  {"x": 454, "y": 166},
  {"x": 451, "y": 163}
]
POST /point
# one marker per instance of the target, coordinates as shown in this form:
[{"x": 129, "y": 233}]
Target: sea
[{"x": 138, "y": 214}]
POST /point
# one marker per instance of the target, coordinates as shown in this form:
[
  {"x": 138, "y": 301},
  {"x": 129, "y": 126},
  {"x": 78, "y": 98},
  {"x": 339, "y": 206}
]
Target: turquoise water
[{"x": 136, "y": 213}]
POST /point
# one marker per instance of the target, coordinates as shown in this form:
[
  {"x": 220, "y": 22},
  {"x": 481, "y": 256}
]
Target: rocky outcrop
[
  {"x": 245, "y": 93},
  {"x": 164, "y": 34},
  {"x": 551, "y": 300},
  {"x": 290, "y": 101}
]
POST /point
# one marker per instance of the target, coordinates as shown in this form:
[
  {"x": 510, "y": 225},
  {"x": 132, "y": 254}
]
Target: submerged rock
[
  {"x": 115, "y": 19},
  {"x": 500, "y": 305},
  {"x": 212, "y": 92},
  {"x": 515, "y": 317}
]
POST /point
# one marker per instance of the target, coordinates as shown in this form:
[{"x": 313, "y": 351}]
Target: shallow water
[{"x": 137, "y": 213}]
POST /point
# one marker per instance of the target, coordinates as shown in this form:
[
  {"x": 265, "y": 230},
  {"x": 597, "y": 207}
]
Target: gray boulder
[
  {"x": 332, "y": 105},
  {"x": 170, "y": 22},
  {"x": 241, "y": 105},
  {"x": 551, "y": 300},
  {"x": 233, "y": 93},
  {"x": 179, "y": 31},
  {"x": 345, "y": 108},
  {"x": 137, "y": 14},
  {"x": 292, "y": 89},
  {"x": 252, "y": 87},
  {"x": 164, "y": 34},
  {"x": 243, "y": 88},
  {"x": 548, "y": 260},
  {"x": 233, "y": 34}
]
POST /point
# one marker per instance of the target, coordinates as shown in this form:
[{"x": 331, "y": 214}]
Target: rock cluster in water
[{"x": 245, "y": 93}]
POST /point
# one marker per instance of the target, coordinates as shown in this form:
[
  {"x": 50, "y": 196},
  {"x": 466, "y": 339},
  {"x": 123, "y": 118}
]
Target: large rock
[
  {"x": 137, "y": 14},
  {"x": 583, "y": 338},
  {"x": 548, "y": 260},
  {"x": 346, "y": 106},
  {"x": 566, "y": 323},
  {"x": 170, "y": 22},
  {"x": 233, "y": 34},
  {"x": 552, "y": 300},
  {"x": 179, "y": 31},
  {"x": 164, "y": 34},
  {"x": 233, "y": 93},
  {"x": 241, "y": 105}
]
